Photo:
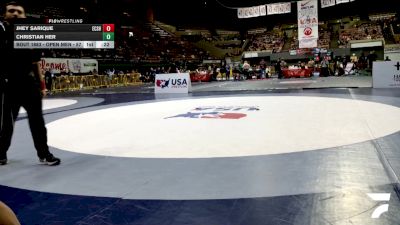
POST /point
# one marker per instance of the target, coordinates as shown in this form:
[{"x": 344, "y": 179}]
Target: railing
[{"x": 73, "y": 83}]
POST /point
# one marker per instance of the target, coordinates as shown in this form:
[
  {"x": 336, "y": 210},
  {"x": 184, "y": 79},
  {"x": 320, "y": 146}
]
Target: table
[
  {"x": 204, "y": 77},
  {"x": 288, "y": 73}
]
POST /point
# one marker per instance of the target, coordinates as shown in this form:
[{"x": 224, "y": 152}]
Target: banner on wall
[
  {"x": 263, "y": 10},
  {"x": 279, "y": 8},
  {"x": 307, "y": 12},
  {"x": 58, "y": 65},
  {"x": 327, "y": 3},
  {"x": 249, "y": 12},
  {"x": 343, "y": 1}
]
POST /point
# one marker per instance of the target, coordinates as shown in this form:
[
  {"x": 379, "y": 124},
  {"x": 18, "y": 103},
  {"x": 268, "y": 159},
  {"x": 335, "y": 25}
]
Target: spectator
[
  {"x": 7, "y": 216},
  {"x": 354, "y": 58},
  {"x": 48, "y": 76}
]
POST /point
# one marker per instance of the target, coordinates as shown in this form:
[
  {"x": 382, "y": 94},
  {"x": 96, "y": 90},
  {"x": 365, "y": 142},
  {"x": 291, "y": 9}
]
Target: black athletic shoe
[
  {"x": 3, "y": 161},
  {"x": 50, "y": 160}
]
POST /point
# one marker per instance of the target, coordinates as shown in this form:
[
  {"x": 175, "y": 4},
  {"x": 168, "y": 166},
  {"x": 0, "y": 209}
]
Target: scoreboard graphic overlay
[{"x": 64, "y": 36}]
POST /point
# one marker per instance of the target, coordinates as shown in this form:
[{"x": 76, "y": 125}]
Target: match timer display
[{"x": 64, "y": 36}]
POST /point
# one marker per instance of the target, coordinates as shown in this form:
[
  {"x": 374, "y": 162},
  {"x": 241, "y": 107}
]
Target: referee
[{"x": 21, "y": 84}]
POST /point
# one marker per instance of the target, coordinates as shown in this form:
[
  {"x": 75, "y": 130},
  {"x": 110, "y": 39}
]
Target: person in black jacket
[{"x": 21, "y": 85}]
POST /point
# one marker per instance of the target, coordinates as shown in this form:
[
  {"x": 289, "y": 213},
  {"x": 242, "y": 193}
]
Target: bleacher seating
[
  {"x": 366, "y": 31},
  {"x": 270, "y": 41},
  {"x": 324, "y": 39}
]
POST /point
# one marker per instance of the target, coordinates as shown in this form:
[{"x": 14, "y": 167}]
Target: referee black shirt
[{"x": 16, "y": 64}]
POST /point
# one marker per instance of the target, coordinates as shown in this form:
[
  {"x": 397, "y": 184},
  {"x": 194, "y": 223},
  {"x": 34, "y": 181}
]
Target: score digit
[
  {"x": 108, "y": 27},
  {"x": 108, "y": 36}
]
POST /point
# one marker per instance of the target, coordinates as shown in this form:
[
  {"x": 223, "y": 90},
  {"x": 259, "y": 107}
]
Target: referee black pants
[{"x": 12, "y": 97}]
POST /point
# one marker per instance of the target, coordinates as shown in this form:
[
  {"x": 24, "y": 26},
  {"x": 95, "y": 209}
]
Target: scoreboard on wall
[{"x": 64, "y": 36}]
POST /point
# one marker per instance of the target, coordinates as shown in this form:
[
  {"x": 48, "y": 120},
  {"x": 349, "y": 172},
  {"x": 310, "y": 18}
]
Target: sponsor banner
[
  {"x": 211, "y": 61},
  {"x": 58, "y": 65},
  {"x": 324, "y": 51},
  {"x": 305, "y": 51},
  {"x": 366, "y": 44},
  {"x": 254, "y": 11},
  {"x": 308, "y": 43},
  {"x": 343, "y": 1},
  {"x": 279, "y": 8},
  {"x": 320, "y": 50},
  {"x": 263, "y": 10},
  {"x": 386, "y": 74},
  {"x": 240, "y": 13},
  {"x": 172, "y": 83},
  {"x": 327, "y": 3},
  {"x": 308, "y": 23},
  {"x": 250, "y": 54},
  {"x": 249, "y": 12}
]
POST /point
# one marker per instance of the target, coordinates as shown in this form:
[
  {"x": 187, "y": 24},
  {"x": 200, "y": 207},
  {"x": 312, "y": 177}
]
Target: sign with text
[
  {"x": 308, "y": 23},
  {"x": 279, "y": 8},
  {"x": 386, "y": 74},
  {"x": 343, "y": 1},
  {"x": 327, "y": 3},
  {"x": 248, "y": 12},
  {"x": 172, "y": 83},
  {"x": 58, "y": 65},
  {"x": 263, "y": 10}
]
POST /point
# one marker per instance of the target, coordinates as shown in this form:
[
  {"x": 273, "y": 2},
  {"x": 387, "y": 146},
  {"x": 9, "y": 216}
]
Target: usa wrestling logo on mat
[{"x": 213, "y": 112}]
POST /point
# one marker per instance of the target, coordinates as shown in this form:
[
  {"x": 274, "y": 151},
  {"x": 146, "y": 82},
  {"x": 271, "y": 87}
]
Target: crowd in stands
[
  {"x": 197, "y": 35},
  {"x": 234, "y": 52},
  {"x": 294, "y": 41},
  {"x": 227, "y": 37},
  {"x": 139, "y": 44},
  {"x": 229, "y": 45},
  {"x": 55, "y": 12},
  {"x": 389, "y": 27},
  {"x": 272, "y": 41},
  {"x": 365, "y": 31},
  {"x": 143, "y": 46},
  {"x": 324, "y": 39}
]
